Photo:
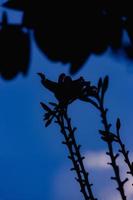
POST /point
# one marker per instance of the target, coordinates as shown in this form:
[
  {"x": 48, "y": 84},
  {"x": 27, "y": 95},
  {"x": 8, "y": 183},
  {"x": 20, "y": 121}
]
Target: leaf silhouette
[
  {"x": 99, "y": 84},
  {"x": 105, "y": 84},
  {"x": 15, "y": 50},
  {"x": 118, "y": 124},
  {"x": 48, "y": 122},
  {"x": 45, "y": 107}
]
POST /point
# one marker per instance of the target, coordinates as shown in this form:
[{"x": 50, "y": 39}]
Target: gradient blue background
[{"x": 33, "y": 162}]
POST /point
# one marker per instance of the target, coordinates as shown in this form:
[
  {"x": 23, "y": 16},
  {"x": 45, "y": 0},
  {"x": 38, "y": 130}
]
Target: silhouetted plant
[
  {"x": 66, "y": 91},
  {"x": 109, "y": 137}
]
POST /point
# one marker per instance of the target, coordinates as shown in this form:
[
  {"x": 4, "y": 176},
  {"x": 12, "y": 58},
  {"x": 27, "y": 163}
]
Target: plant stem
[
  {"x": 111, "y": 153},
  {"x": 125, "y": 153},
  {"x": 75, "y": 156}
]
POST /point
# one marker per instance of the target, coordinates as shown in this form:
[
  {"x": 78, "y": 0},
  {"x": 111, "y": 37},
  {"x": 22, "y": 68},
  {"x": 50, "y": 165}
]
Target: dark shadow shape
[
  {"x": 70, "y": 32},
  {"x": 15, "y": 50}
]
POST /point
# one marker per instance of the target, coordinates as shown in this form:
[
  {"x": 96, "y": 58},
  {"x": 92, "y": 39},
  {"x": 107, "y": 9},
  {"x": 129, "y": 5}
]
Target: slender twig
[
  {"x": 109, "y": 140},
  {"x": 107, "y": 136},
  {"x": 75, "y": 156},
  {"x": 123, "y": 149}
]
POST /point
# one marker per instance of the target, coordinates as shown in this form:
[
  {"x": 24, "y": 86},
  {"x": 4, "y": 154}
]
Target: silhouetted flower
[{"x": 67, "y": 90}]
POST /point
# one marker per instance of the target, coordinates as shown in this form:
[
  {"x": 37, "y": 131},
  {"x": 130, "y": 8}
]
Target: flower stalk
[
  {"x": 123, "y": 149},
  {"x": 109, "y": 139},
  {"x": 108, "y": 136},
  {"x": 74, "y": 154},
  {"x": 66, "y": 91}
]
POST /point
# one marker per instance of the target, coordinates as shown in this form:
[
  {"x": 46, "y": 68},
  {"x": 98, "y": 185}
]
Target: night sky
[{"x": 33, "y": 162}]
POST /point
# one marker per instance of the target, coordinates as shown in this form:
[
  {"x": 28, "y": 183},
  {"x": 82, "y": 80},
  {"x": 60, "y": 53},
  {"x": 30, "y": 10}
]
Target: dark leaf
[
  {"x": 118, "y": 124},
  {"x": 47, "y": 116},
  {"x": 99, "y": 84},
  {"x": 15, "y": 47},
  {"x": 48, "y": 122},
  {"x": 105, "y": 84},
  {"x": 45, "y": 107},
  {"x": 53, "y": 104}
]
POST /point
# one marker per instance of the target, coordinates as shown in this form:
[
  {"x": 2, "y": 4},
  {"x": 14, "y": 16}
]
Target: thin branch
[
  {"x": 109, "y": 140},
  {"x": 108, "y": 137},
  {"x": 123, "y": 149},
  {"x": 75, "y": 156}
]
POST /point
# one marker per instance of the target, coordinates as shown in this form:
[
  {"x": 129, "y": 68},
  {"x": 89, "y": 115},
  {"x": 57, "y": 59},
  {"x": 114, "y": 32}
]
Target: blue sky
[{"x": 33, "y": 162}]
